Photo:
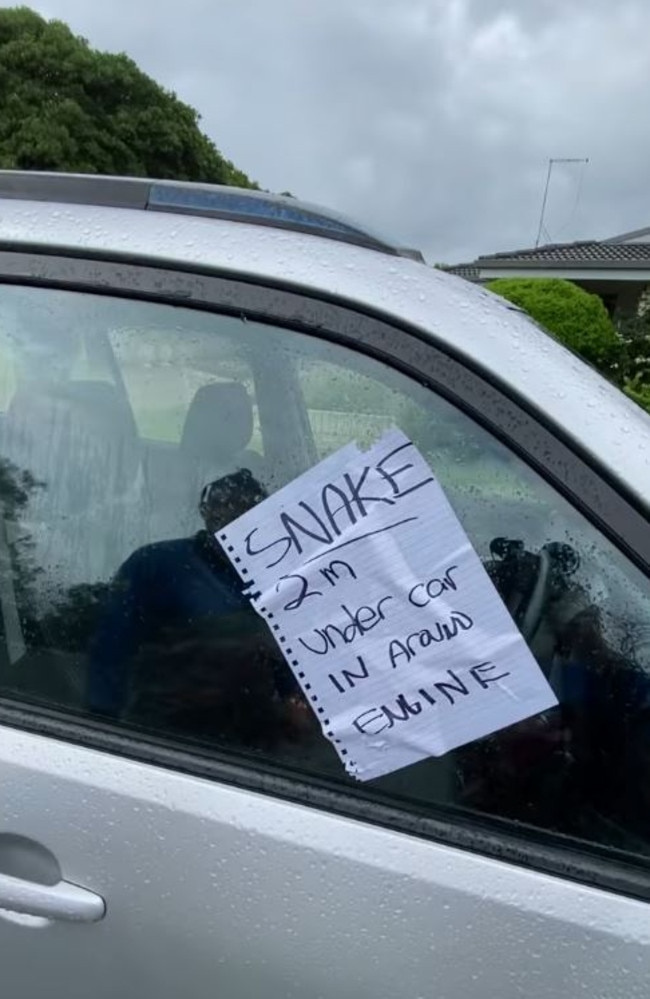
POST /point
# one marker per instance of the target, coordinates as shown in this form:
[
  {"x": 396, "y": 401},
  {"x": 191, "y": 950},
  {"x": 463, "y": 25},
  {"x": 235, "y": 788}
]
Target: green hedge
[{"x": 574, "y": 316}]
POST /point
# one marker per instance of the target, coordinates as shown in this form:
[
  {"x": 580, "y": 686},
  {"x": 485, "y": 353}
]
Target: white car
[{"x": 174, "y": 822}]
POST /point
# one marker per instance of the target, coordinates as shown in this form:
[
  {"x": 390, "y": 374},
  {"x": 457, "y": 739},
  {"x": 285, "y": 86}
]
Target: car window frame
[{"x": 576, "y": 475}]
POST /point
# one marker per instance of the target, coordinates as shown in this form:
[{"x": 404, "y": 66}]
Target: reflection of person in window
[{"x": 178, "y": 637}]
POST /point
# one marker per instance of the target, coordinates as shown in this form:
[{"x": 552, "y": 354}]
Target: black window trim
[{"x": 574, "y": 475}]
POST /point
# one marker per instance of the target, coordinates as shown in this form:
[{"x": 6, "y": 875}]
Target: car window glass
[
  {"x": 161, "y": 383},
  {"x": 344, "y": 404},
  {"x": 132, "y": 431}
]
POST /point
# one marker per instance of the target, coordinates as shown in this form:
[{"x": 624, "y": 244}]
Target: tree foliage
[
  {"x": 635, "y": 335},
  {"x": 634, "y": 332},
  {"x": 577, "y": 318},
  {"x": 65, "y": 106}
]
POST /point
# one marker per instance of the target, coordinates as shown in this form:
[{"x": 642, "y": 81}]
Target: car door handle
[{"x": 63, "y": 900}]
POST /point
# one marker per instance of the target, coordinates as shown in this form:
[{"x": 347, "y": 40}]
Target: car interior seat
[
  {"x": 78, "y": 520},
  {"x": 215, "y": 441},
  {"x": 218, "y": 429}
]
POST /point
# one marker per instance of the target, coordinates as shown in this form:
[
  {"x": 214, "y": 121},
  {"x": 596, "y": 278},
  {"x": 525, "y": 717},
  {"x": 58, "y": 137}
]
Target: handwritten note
[{"x": 383, "y": 609}]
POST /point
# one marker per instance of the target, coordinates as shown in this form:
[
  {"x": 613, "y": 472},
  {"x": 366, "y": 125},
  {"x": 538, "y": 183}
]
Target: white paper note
[{"x": 383, "y": 609}]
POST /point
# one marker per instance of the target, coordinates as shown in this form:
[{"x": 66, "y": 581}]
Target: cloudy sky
[{"x": 432, "y": 120}]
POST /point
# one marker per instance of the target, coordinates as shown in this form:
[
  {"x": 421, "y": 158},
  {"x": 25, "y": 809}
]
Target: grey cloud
[{"x": 430, "y": 119}]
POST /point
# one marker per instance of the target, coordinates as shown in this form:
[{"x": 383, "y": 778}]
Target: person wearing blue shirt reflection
[{"x": 178, "y": 629}]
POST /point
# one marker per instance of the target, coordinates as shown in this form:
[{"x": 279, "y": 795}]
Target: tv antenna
[{"x": 551, "y": 164}]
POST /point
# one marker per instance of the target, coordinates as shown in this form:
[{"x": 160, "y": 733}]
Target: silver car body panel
[{"x": 212, "y": 890}]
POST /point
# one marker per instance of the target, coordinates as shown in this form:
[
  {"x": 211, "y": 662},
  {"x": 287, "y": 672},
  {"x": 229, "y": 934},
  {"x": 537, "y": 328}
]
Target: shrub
[{"x": 574, "y": 316}]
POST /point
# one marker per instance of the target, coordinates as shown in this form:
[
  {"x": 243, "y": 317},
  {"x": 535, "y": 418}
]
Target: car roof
[
  {"x": 279, "y": 211},
  {"x": 498, "y": 339}
]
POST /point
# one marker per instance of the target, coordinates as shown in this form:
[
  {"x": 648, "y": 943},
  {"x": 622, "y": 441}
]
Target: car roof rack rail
[{"x": 235, "y": 204}]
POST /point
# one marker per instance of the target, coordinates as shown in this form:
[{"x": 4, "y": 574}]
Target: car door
[{"x": 170, "y": 826}]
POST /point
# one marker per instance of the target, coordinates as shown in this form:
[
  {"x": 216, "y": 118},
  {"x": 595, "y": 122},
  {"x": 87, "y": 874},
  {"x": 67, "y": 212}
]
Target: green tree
[
  {"x": 577, "y": 318},
  {"x": 635, "y": 335},
  {"x": 635, "y": 364},
  {"x": 65, "y": 106}
]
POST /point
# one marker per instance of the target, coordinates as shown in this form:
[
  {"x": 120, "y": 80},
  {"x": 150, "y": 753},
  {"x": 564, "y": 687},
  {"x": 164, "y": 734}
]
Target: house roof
[
  {"x": 614, "y": 253},
  {"x": 576, "y": 253},
  {"x": 626, "y": 237},
  {"x": 468, "y": 271}
]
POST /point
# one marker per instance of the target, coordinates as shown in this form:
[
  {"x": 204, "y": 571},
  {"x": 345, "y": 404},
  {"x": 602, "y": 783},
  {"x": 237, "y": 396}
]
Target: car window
[
  {"x": 164, "y": 368},
  {"x": 132, "y": 430},
  {"x": 344, "y": 404}
]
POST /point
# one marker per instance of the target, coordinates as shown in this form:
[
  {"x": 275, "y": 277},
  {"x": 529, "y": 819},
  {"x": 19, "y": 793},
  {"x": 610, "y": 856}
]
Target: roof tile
[{"x": 573, "y": 253}]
